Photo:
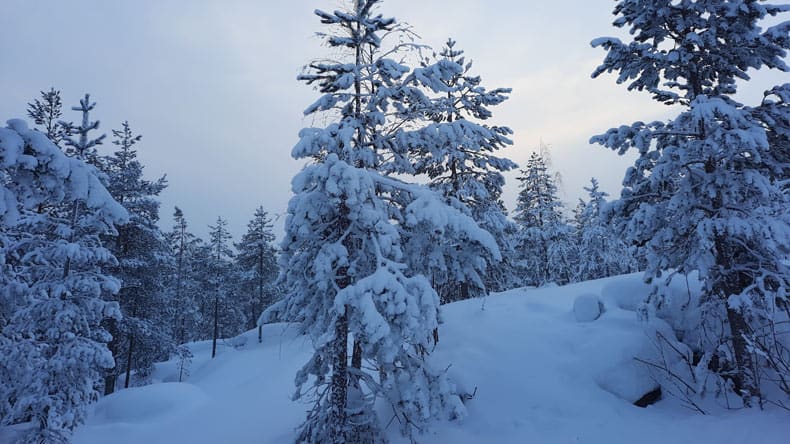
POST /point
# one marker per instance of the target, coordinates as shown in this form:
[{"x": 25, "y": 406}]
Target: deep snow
[{"x": 540, "y": 377}]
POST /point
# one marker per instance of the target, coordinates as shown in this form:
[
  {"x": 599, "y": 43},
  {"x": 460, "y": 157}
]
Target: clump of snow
[{"x": 587, "y": 307}]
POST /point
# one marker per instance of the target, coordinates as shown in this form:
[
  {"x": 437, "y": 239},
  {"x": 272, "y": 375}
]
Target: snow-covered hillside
[{"x": 541, "y": 376}]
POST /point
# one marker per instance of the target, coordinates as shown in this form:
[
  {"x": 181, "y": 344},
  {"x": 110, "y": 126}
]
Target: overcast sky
[{"x": 211, "y": 84}]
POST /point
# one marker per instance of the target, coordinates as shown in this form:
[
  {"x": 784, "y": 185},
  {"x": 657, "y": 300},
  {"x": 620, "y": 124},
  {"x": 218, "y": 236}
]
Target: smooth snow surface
[{"x": 541, "y": 377}]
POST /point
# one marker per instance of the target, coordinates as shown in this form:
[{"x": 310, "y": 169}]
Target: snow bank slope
[{"x": 540, "y": 376}]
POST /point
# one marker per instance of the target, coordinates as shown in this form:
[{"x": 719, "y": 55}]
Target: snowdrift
[{"x": 549, "y": 365}]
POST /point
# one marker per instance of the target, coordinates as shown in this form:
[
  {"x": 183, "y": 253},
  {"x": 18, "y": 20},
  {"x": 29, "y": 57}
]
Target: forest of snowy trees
[{"x": 397, "y": 211}]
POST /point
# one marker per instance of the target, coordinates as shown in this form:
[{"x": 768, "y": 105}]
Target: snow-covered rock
[{"x": 587, "y": 307}]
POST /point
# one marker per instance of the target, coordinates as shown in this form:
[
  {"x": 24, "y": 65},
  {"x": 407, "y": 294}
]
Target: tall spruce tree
[
  {"x": 52, "y": 300},
  {"x": 256, "y": 262},
  {"x": 142, "y": 337},
  {"x": 183, "y": 285},
  {"x": 219, "y": 258},
  {"x": 708, "y": 190},
  {"x": 601, "y": 251},
  {"x": 547, "y": 252},
  {"x": 347, "y": 282}
]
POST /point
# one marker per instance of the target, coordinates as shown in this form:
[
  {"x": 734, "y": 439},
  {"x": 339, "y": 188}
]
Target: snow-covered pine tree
[
  {"x": 46, "y": 113},
  {"x": 182, "y": 284},
  {"x": 456, "y": 151},
  {"x": 256, "y": 263},
  {"x": 52, "y": 342},
  {"x": 547, "y": 252},
  {"x": 343, "y": 253},
  {"x": 142, "y": 337},
  {"x": 219, "y": 266},
  {"x": 601, "y": 251},
  {"x": 202, "y": 276},
  {"x": 708, "y": 192}
]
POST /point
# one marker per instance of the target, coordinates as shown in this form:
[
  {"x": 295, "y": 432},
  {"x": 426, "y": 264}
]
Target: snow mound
[
  {"x": 587, "y": 307},
  {"x": 152, "y": 402},
  {"x": 628, "y": 380},
  {"x": 627, "y": 293}
]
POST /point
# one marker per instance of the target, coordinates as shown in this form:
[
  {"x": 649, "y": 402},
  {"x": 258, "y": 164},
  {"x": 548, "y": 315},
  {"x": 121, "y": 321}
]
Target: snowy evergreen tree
[
  {"x": 256, "y": 262},
  {"x": 46, "y": 113},
  {"x": 456, "y": 151},
  {"x": 601, "y": 251},
  {"x": 547, "y": 250},
  {"x": 182, "y": 284},
  {"x": 219, "y": 268},
  {"x": 52, "y": 342},
  {"x": 708, "y": 192},
  {"x": 343, "y": 255},
  {"x": 142, "y": 337},
  {"x": 204, "y": 289}
]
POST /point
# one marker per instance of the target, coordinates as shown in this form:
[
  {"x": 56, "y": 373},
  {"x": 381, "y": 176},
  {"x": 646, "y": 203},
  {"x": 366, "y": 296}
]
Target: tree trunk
[
  {"x": 129, "y": 361},
  {"x": 111, "y": 376},
  {"x": 729, "y": 282},
  {"x": 464, "y": 291},
  {"x": 216, "y": 328},
  {"x": 744, "y": 378},
  {"x": 339, "y": 387},
  {"x": 356, "y": 357}
]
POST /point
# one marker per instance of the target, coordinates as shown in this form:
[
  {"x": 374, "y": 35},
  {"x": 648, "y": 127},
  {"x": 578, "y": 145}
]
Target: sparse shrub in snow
[{"x": 184, "y": 360}]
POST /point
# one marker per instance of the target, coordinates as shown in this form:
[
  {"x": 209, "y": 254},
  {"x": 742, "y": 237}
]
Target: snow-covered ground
[{"x": 542, "y": 373}]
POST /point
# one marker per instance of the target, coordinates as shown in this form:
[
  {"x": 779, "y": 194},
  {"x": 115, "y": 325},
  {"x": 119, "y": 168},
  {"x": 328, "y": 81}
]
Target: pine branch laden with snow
[
  {"x": 708, "y": 192},
  {"x": 52, "y": 280},
  {"x": 345, "y": 256}
]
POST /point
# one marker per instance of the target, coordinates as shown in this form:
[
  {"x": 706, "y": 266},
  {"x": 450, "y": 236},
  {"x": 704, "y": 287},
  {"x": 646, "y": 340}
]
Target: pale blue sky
[{"x": 211, "y": 84}]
